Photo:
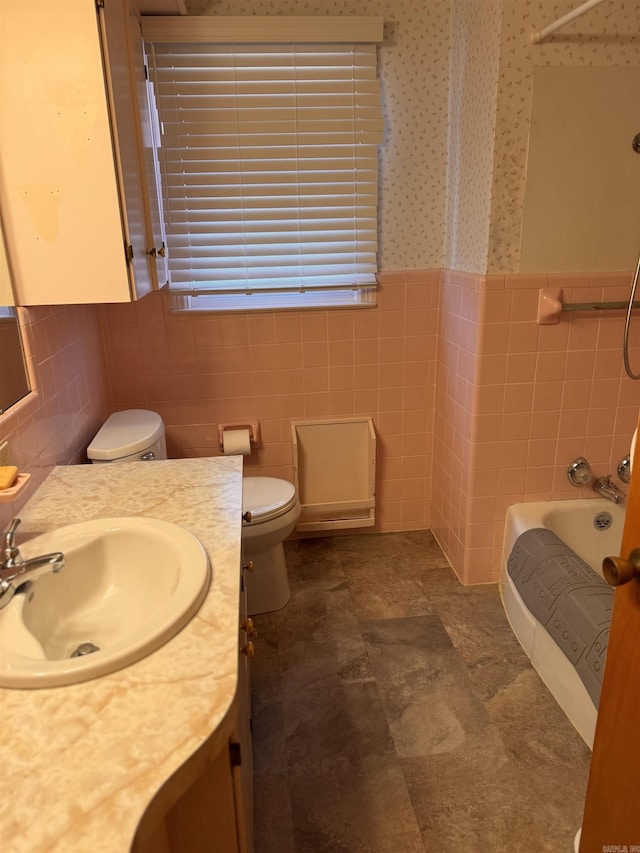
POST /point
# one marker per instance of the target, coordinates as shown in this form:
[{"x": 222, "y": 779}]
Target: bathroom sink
[{"x": 128, "y": 586}]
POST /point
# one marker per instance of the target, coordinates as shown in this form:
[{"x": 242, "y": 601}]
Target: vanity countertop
[{"x": 81, "y": 763}]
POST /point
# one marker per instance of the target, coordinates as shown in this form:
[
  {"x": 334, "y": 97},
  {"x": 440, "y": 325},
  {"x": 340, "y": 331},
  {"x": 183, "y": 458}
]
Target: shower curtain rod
[{"x": 566, "y": 19}]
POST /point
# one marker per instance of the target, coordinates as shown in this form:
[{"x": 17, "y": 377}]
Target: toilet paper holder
[{"x": 252, "y": 426}]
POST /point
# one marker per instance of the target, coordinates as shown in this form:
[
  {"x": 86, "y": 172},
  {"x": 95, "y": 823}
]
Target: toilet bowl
[
  {"x": 270, "y": 512},
  {"x": 271, "y": 504}
]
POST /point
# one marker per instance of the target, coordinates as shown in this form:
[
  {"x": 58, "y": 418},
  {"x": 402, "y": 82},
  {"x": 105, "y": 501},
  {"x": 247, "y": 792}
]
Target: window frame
[{"x": 270, "y": 30}]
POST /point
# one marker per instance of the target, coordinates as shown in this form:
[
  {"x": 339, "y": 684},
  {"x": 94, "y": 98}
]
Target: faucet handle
[
  {"x": 579, "y": 472},
  {"x": 10, "y": 549},
  {"x": 624, "y": 469}
]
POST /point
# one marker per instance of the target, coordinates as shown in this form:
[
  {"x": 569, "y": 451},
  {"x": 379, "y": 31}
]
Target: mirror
[{"x": 14, "y": 383}]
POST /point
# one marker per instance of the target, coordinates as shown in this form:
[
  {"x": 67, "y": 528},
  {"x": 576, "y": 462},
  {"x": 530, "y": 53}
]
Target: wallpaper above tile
[
  {"x": 475, "y": 43},
  {"x": 608, "y": 35},
  {"x": 457, "y": 80}
]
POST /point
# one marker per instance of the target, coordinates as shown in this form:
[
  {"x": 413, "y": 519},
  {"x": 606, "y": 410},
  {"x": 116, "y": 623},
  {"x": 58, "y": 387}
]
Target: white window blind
[{"x": 269, "y": 167}]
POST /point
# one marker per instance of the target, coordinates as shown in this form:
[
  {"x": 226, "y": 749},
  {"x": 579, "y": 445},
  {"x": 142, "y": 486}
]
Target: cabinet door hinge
[
  {"x": 100, "y": 4},
  {"x": 235, "y": 754},
  {"x": 128, "y": 251}
]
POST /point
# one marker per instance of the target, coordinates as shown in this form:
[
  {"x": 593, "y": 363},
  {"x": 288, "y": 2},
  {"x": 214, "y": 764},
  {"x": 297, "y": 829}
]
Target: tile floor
[{"x": 394, "y": 711}]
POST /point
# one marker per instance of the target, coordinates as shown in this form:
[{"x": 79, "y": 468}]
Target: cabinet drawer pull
[{"x": 250, "y": 629}]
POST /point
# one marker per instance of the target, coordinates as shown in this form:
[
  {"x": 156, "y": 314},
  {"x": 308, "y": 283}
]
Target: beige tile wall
[
  {"x": 199, "y": 371},
  {"x": 53, "y": 425},
  {"x": 517, "y": 401},
  {"x": 475, "y": 405}
]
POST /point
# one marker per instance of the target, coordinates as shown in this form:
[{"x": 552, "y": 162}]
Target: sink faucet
[
  {"x": 13, "y": 566},
  {"x": 607, "y": 488}
]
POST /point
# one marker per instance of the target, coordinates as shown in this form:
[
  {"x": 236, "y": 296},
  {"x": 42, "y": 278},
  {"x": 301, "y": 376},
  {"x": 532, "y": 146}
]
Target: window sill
[{"x": 243, "y": 303}]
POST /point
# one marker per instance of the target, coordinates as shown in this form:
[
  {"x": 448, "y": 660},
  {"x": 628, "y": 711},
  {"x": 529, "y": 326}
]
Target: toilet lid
[{"x": 267, "y": 497}]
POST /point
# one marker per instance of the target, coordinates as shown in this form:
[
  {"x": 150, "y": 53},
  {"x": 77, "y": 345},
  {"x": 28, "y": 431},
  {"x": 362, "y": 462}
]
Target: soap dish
[{"x": 8, "y": 495}]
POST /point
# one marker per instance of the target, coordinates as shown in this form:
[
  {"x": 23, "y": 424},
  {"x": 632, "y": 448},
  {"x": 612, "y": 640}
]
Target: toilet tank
[{"x": 130, "y": 436}]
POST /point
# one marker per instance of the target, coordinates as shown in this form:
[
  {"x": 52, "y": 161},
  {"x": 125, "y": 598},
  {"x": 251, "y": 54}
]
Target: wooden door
[{"x": 612, "y": 807}]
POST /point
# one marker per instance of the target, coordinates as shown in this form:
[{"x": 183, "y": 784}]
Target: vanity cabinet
[
  {"x": 215, "y": 810},
  {"x": 208, "y": 816},
  {"x": 79, "y": 187},
  {"x": 157, "y": 745}
]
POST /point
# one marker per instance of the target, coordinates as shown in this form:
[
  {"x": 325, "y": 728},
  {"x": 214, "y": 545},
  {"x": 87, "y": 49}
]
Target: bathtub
[{"x": 579, "y": 523}]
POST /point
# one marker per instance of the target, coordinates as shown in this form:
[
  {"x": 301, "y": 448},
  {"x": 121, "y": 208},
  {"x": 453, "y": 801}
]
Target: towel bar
[{"x": 550, "y": 306}]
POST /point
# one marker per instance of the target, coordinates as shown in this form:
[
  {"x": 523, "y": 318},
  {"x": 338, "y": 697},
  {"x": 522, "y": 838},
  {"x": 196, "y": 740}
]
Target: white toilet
[
  {"x": 136, "y": 435},
  {"x": 271, "y": 504},
  {"x": 274, "y": 511}
]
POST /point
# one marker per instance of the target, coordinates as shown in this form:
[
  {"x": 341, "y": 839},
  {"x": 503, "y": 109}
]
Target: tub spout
[{"x": 607, "y": 488}]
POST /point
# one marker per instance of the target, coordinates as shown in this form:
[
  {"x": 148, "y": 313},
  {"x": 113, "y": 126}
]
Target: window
[{"x": 269, "y": 164}]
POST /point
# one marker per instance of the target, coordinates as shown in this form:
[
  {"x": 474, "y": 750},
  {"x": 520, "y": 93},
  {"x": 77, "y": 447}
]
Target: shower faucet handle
[
  {"x": 624, "y": 469},
  {"x": 579, "y": 472}
]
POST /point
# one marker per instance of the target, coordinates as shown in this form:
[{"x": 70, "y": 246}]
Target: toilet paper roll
[{"x": 236, "y": 442}]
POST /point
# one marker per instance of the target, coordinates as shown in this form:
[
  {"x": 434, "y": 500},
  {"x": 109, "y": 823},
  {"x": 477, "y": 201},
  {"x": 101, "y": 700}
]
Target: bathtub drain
[{"x": 603, "y": 521}]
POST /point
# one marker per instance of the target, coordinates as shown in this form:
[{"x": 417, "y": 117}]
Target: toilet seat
[{"x": 266, "y": 498}]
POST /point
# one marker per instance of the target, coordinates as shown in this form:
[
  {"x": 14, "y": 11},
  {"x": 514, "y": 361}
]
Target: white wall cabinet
[{"x": 78, "y": 188}]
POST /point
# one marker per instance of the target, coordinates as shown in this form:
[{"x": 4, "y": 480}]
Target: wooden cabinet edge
[
  {"x": 181, "y": 806},
  {"x": 179, "y": 818}
]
